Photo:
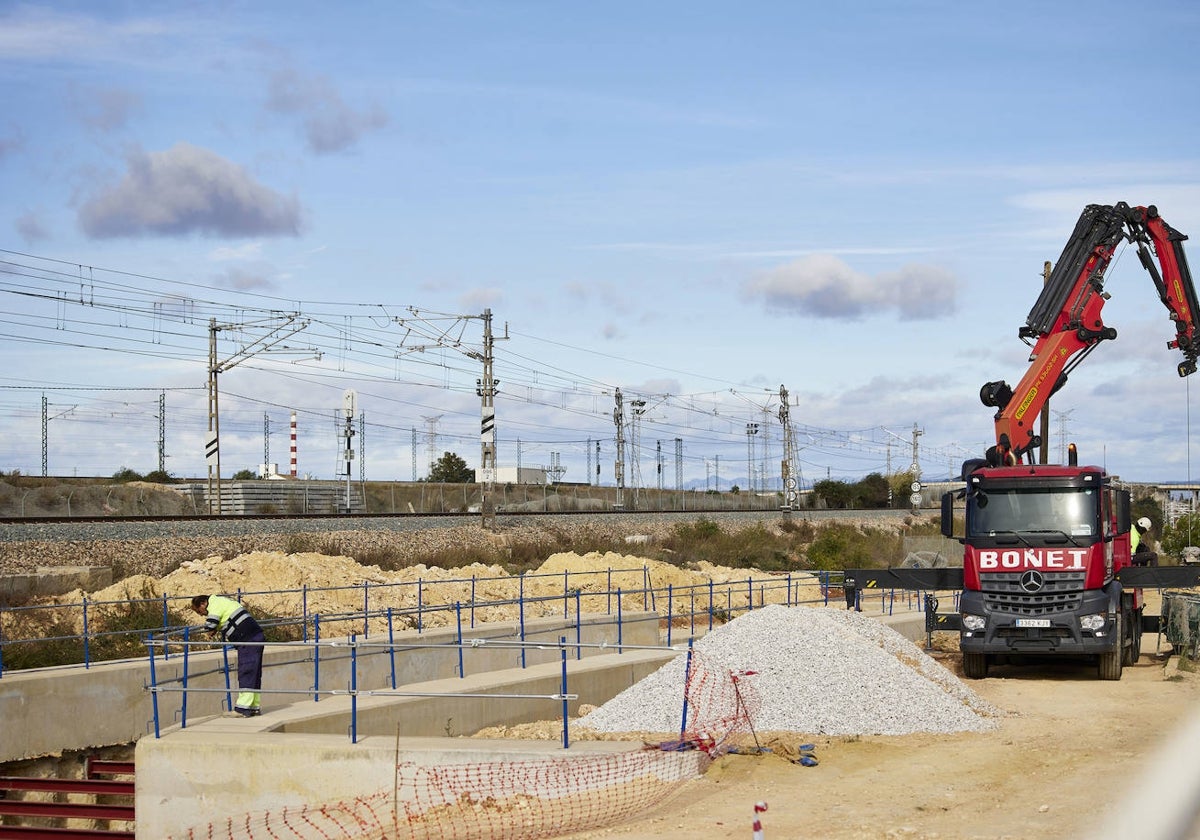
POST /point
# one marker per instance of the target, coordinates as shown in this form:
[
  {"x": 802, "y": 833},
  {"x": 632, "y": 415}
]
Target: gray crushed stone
[{"x": 817, "y": 671}]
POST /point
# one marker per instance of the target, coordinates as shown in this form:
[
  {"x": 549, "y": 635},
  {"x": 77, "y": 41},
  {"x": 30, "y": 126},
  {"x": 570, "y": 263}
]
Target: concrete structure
[
  {"x": 512, "y": 475},
  {"x": 279, "y": 496},
  {"x": 300, "y": 752},
  {"x": 77, "y": 708},
  {"x": 53, "y": 580},
  {"x": 302, "y": 755}
]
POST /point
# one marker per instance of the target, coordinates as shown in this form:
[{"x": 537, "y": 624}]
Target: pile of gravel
[{"x": 818, "y": 671}]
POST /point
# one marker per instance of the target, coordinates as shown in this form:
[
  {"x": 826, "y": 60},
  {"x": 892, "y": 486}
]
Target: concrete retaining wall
[
  {"x": 46, "y": 711},
  {"x": 15, "y": 589}
]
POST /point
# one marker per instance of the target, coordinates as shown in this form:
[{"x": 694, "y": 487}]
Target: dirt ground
[{"x": 1066, "y": 752}]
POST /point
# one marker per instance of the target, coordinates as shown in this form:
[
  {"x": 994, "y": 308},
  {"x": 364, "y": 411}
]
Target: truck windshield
[{"x": 1072, "y": 512}]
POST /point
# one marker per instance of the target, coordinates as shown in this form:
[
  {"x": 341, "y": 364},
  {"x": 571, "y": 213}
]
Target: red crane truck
[{"x": 1047, "y": 564}]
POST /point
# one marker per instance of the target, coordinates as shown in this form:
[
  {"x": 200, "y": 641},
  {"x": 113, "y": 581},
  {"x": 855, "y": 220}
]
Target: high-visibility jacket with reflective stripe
[{"x": 230, "y": 619}]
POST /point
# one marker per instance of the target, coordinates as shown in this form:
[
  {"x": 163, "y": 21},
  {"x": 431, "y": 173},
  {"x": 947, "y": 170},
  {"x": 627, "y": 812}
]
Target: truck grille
[{"x": 1061, "y": 592}]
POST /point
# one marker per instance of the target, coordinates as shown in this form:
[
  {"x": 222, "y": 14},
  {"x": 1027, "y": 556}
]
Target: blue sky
[{"x": 695, "y": 203}]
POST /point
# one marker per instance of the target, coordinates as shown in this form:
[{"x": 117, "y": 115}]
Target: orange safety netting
[{"x": 523, "y": 799}]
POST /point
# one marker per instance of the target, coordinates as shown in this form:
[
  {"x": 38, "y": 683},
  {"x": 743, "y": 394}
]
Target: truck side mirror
[
  {"x": 948, "y": 516},
  {"x": 1124, "y": 514}
]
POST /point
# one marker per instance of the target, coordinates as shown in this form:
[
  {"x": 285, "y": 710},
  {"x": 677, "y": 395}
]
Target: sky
[{"x": 697, "y": 205}]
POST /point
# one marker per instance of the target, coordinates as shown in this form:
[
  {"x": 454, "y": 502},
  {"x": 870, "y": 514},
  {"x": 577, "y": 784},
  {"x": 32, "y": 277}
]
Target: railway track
[{"x": 144, "y": 527}]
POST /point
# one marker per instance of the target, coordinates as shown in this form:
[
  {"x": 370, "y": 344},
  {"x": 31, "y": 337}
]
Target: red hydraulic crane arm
[
  {"x": 1175, "y": 287},
  {"x": 1065, "y": 323}
]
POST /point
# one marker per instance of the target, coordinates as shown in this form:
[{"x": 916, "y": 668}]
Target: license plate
[{"x": 1033, "y": 622}]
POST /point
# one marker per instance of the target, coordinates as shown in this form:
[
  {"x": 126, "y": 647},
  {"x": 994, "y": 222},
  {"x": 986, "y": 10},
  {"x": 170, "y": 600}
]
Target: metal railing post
[
  {"x": 562, "y": 641},
  {"x": 462, "y": 673},
  {"x": 187, "y": 650},
  {"x": 316, "y": 657},
  {"x": 687, "y": 676},
  {"x": 353, "y": 689},
  {"x": 620, "y": 624},
  {"x": 86, "y": 648},
  {"x": 670, "y": 609},
  {"x": 521, "y": 612},
  {"x": 228, "y": 685},
  {"x": 166, "y": 627},
  {"x": 153, "y": 690},
  {"x": 392, "y": 646}
]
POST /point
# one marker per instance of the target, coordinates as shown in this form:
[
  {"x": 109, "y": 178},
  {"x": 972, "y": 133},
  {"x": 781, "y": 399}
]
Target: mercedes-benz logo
[{"x": 1032, "y": 581}]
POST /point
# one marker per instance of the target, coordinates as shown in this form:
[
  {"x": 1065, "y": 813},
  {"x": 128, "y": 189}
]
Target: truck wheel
[
  {"x": 1127, "y": 655},
  {"x": 975, "y": 665},
  {"x": 1136, "y": 632},
  {"x": 1109, "y": 667}
]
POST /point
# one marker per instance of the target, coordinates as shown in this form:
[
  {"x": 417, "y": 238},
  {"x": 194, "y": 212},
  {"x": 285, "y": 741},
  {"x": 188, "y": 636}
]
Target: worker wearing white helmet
[{"x": 1143, "y": 555}]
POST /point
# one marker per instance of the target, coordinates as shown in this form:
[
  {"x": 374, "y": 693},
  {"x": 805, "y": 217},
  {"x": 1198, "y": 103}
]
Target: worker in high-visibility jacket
[
  {"x": 230, "y": 620},
  {"x": 1140, "y": 544}
]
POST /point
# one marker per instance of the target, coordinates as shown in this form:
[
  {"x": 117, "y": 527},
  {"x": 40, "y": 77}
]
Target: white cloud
[
  {"x": 824, "y": 286},
  {"x": 30, "y": 228},
  {"x": 29, "y": 32},
  {"x": 106, "y": 109},
  {"x": 186, "y": 190},
  {"x": 330, "y": 125}
]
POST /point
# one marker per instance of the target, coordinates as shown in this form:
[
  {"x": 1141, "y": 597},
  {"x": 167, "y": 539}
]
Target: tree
[
  {"x": 245, "y": 475},
  {"x": 1183, "y": 533},
  {"x": 872, "y": 491},
  {"x": 451, "y": 469},
  {"x": 835, "y": 494}
]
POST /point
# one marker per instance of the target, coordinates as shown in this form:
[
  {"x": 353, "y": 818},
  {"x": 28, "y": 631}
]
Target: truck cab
[{"x": 1042, "y": 546}]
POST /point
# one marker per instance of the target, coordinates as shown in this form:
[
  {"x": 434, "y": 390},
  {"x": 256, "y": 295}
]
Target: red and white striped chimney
[{"x": 293, "y": 469}]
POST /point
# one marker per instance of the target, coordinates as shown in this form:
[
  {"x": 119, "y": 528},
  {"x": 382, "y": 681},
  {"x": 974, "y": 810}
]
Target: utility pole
[
  {"x": 619, "y": 463},
  {"x": 212, "y": 446},
  {"x": 266, "y": 467},
  {"x": 362, "y": 454},
  {"x": 638, "y": 408},
  {"x": 349, "y": 406},
  {"x": 1062, "y": 434},
  {"x": 413, "y": 451},
  {"x": 789, "y": 466},
  {"x": 915, "y": 499},
  {"x": 162, "y": 432},
  {"x": 431, "y": 424},
  {"x": 46, "y": 418},
  {"x": 486, "y": 387},
  {"x": 422, "y": 324},
  {"x": 678, "y": 464},
  {"x": 751, "y": 431}
]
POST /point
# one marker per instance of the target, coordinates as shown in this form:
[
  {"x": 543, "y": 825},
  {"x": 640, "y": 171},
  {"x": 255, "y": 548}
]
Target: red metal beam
[
  {"x": 113, "y": 787},
  {"x": 104, "y": 767},
  {"x": 24, "y": 832},
  {"x": 67, "y": 810}
]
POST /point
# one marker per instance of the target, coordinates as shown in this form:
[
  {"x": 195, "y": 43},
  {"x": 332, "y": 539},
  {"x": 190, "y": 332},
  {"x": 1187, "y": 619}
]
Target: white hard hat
[{"x": 1144, "y": 523}]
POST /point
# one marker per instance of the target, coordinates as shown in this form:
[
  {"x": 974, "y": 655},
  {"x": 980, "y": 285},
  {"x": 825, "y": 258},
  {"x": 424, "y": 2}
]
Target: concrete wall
[
  {"x": 53, "y": 581},
  {"x": 206, "y": 775},
  {"x": 46, "y": 711}
]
